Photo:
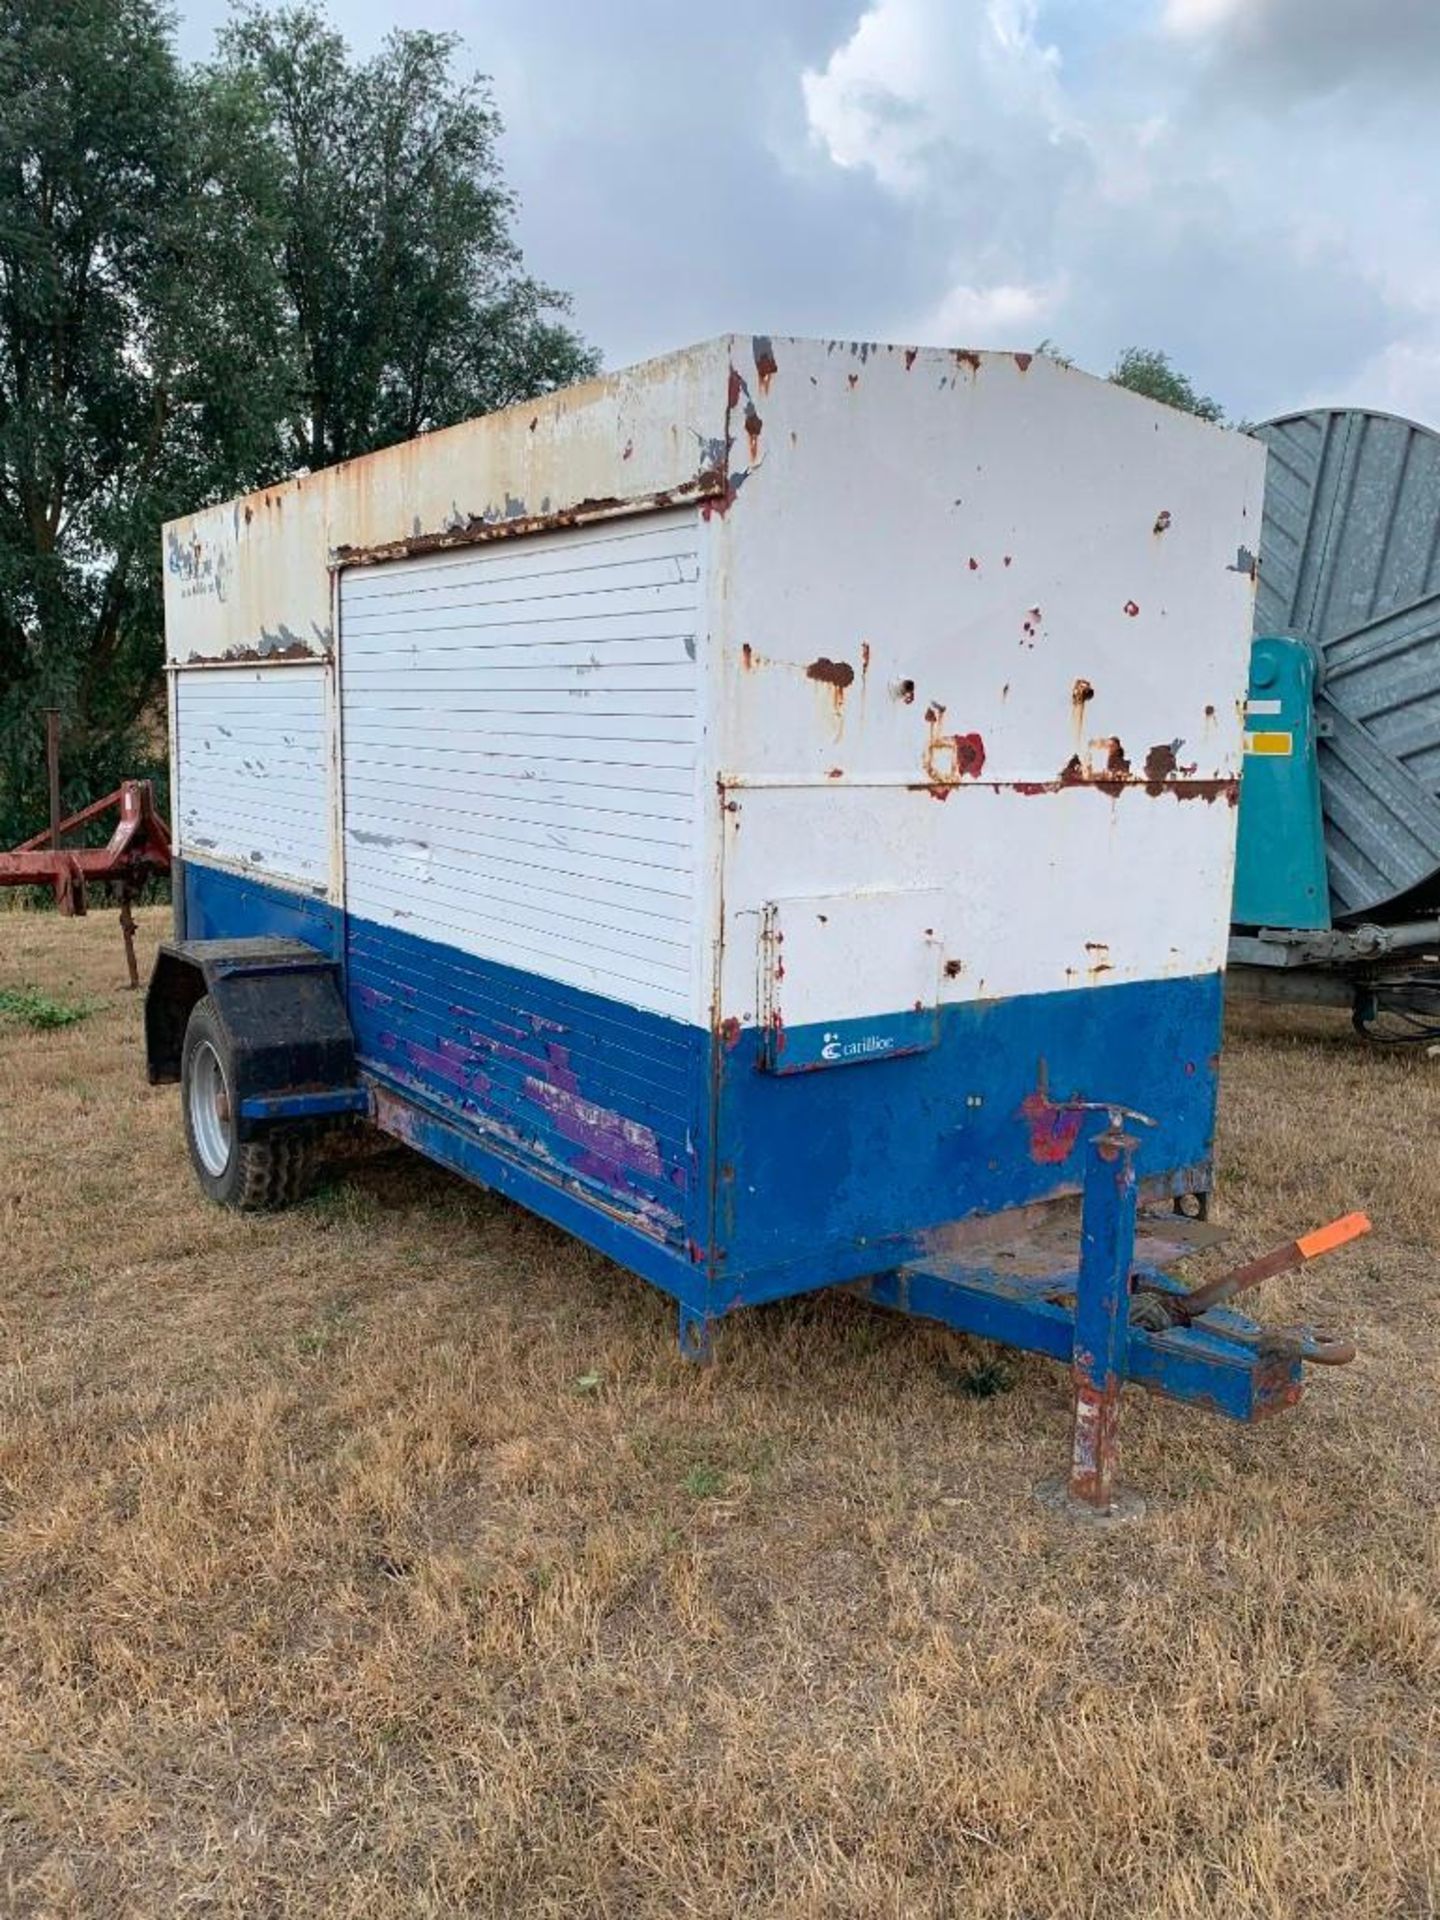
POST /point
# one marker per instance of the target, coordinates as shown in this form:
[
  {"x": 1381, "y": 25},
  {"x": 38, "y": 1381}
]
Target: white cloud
[
  {"x": 919, "y": 76},
  {"x": 1186, "y": 18},
  {"x": 988, "y": 316},
  {"x": 1131, "y": 198}
]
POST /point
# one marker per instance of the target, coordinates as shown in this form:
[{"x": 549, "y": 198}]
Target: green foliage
[
  {"x": 409, "y": 307},
  {"x": 981, "y": 1379},
  {"x": 40, "y": 1011},
  {"x": 208, "y": 277},
  {"x": 138, "y": 321},
  {"x": 1149, "y": 371}
]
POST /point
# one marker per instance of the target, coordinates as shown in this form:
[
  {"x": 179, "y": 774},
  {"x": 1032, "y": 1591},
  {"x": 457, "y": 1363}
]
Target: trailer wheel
[{"x": 252, "y": 1176}]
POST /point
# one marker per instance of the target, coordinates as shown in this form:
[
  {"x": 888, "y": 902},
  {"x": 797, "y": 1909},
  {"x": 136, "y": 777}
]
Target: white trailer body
[{"x": 749, "y": 799}]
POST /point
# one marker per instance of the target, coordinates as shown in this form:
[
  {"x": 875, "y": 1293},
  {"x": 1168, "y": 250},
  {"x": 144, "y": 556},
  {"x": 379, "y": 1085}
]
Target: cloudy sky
[{"x": 1249, "y": 184}]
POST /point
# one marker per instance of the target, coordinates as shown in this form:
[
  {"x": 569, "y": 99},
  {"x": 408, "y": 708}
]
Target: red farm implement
[{"x": 138, "y": 850}]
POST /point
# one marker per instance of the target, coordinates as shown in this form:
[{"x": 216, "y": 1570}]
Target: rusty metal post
[
  {"x": 52, "y": 765},
  {"x": 127, "y": 933},
  {"x": 1102, "y": 1314}
]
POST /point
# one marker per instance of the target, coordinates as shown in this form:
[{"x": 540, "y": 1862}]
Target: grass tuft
[{"x": 41, "y": 1012}]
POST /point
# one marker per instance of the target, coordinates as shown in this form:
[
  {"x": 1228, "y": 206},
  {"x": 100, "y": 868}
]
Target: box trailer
[{"x": 766, "y": 811}]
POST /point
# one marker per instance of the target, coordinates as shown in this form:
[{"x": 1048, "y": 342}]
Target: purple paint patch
[
  {"x": 502, "y": 1050},
  {"x": 444, "y": 1065},
  {"x": 372, "y": 997},
  {"x": 618, "y": 1144},
  {"x": 562, "y": 1074}
]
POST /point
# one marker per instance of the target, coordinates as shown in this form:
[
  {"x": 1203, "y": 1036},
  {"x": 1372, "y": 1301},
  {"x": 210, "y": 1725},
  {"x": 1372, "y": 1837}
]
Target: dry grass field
[{"x": 383, "y": 1559}]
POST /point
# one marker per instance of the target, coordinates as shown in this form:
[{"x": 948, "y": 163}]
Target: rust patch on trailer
[
  {"x": 765, "y": 364},
  {"x": 1022, "y": 360},
  {"x": 1159, "y": 766},
  {"x": 969, "y": 754},
  {"x": 753, "y": 427},
  {"x": 736, "y": 388},
  {"x": 1162, "y": 521},
  {"x": 1116, "y": 775},
  {"x": 838, "y": 674},
  {"x": 1081, "y": 694},
  {"x": 712, "y": 488},
  {"x": 261, "y": 654},
  {"x": 1209, "y": 791},
  {"x": 904, "y": 691},
  {"x": 910, "y": 353},
  {"x": 950, "y": 758},
  {"x": 966, "y": 357},
  {"x": 1108, "y": 779},
  {"x": 1132, "y": 608}
]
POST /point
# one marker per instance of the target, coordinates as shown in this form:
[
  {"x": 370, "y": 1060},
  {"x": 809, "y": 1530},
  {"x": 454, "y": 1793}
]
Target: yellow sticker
[{"x": 1269, "y": 743}]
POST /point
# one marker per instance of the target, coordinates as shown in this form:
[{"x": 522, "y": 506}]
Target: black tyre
[{"x": 253, "y": 1176}]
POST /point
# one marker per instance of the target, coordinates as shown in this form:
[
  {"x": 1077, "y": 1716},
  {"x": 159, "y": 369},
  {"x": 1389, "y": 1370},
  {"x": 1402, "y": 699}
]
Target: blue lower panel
[
  {"x": 588, "y": 1111},
  {"x": 465, "y": 1149},
  {"x": 220, "y": 906},
  {"x": 683, "y": 1158},
  {"x": 594, "y": 1094},
  {"x": 842, "y": 1173}
]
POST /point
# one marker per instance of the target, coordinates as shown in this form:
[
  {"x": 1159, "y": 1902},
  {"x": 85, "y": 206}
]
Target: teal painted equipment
[
  {"x": 1337, "y": 876},
  {"x": 1280, "y": 873},
  {"x": 1350, "y": 566}
]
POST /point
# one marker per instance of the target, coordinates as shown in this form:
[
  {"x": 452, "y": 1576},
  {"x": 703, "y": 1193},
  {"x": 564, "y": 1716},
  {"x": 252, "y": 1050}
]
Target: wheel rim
[{"x": 209, "y": 1109}]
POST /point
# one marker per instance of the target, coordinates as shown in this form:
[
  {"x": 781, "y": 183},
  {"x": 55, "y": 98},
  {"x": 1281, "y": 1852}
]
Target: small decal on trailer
[{"x": 836, "y": 1048}]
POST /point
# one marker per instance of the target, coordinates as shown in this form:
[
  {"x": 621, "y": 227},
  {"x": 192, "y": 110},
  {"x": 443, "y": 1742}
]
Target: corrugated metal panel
[
  {"x": 250, "y": 767},
  {"x": 520, "y": 743},
  {"x": 1350, "y": 560}
]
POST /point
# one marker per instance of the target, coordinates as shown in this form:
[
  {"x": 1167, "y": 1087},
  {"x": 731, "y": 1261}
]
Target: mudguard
[{"x": 279, "y": 1002}]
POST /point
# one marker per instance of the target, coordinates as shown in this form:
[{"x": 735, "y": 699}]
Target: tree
[
  {"x": 409, "y": 305},
  {"x": 141, "y": 361},
  {"x": 207, "y": 278},
  {"x": 1146, "y": 370}
]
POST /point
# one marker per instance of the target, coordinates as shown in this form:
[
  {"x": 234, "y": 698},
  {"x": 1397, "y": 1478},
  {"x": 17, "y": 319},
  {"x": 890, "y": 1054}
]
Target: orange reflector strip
[{"x": 1326, "y": 1239}]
